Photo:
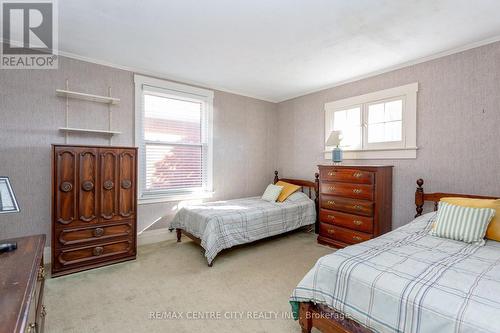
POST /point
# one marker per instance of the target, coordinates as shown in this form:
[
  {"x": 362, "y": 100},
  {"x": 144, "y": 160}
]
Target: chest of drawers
[{"x": 355, "y": 203}]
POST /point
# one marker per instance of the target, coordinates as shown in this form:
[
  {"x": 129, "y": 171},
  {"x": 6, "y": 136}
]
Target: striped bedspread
[
  {"x": 409, "y": 281},
  {"x": 224, "y": 224}
]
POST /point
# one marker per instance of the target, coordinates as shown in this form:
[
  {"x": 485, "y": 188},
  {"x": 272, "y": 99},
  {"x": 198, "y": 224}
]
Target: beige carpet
[{"x": 173, "y": 279}]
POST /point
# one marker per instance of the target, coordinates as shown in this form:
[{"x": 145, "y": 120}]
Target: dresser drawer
[
  {"x": 342, "y": 234},
  {"x": 67, "y": 237},
  {"x": 356, "y": 191},
  {"x": 95, "y": 253},
  {"x": 360, "y": 207},
  {"x": 347, "y": 175},
  {"x": 354, "y": 222}
]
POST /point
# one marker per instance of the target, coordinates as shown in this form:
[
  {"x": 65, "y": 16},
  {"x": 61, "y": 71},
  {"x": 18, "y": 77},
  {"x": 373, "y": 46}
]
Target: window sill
[
  {"x": 152, "y": 199},
  {"x": 378, "y": 154}
]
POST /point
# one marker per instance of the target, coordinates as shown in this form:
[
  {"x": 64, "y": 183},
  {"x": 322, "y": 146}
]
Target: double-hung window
[
  {"x": 174, "y": 136},
  {"x": 377, "y": 125}
]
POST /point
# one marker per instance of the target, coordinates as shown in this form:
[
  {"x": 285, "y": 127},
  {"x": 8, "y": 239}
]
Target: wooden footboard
[{"x": 326, "y": 320}]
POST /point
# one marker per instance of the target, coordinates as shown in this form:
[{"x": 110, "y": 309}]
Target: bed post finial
[
  {"x": 316, "y": 201},
  {"x": 276, "y": 178},
  {"x": 419, "y": 197}
]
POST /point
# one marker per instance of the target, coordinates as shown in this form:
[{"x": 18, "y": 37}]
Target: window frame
[
  {"x": 404, "y": 149},
  {"x": 385, "y": 144},
  {"x": 168, "y": 89}
]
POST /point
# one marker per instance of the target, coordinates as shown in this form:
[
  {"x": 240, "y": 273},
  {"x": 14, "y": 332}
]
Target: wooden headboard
[
  {"x": 421, "y": 197},
  {"x": 310, "y": 186},
  {"x": 305, "y": 184}
]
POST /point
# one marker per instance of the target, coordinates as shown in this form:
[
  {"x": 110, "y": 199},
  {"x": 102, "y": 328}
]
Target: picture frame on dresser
[{"x": 355, "y": 203}]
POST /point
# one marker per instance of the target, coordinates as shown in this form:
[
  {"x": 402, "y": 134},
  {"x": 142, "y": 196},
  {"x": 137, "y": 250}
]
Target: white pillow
[{"x": 272, "y": 193}]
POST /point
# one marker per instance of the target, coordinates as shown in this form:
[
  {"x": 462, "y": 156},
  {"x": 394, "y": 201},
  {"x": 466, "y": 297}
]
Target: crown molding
[
  {"x": 421, "y": 60},
  {"x": 158, "y": 75}
]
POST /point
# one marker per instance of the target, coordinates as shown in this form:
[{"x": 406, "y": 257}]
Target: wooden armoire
[{"x": 94, "y": 206}]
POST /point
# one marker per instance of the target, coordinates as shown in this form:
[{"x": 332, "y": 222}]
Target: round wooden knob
[
  {"x": 66, "y": 187},
  {"x": 108, "y": 185},
  {"x": 97, "y": 251},
  {"x": 126, "y": 184},
  {"x": 98, "y": 232},
  {"x": 87, "y": 185}
]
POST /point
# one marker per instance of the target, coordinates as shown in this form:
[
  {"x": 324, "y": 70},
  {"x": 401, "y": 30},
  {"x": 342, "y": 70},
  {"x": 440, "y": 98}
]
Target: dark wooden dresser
[
  {"x": 355, "y": 203},
  {"x": 22, "y": 278},
  {"x": 94, "y": 206}
]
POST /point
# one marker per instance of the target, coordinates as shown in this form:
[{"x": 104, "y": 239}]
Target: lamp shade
[
  {"x": 334, "y": 139},
  {"x": 8, "y": 203}
]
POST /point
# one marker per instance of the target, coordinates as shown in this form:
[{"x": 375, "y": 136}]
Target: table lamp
[
  {"x": 8, "y": 204},
  {"x": 334, "y": 140}
]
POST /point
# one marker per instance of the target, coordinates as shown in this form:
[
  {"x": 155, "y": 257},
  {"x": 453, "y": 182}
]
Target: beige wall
[
  {"x": 458, "y": 124},
  {"x": 30, "y": 114}
]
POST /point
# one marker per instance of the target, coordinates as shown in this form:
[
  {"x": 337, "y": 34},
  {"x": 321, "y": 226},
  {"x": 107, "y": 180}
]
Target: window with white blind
[
  {"x": 377, "y": 125},
  {"x": 174, "y": 135}
]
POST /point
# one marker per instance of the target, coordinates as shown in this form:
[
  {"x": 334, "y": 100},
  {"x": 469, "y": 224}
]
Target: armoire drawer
[
  {"x": 347, "y": 175},
  {"x": 354, "y": 222},
  {"x": 342, "y": 234},
  {"x": 360, "y": 207},
  {"x": 103, "y": 232},
  {"x": 94, "y": 253},
  {"x": 355, "y": 191}
]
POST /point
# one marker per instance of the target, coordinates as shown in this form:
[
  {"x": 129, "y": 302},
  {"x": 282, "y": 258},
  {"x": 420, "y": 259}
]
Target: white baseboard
[
  {"x": 47, "y": 255},
  {"x": 144, "y": 238},
  {"x": 154, "y": 236}
]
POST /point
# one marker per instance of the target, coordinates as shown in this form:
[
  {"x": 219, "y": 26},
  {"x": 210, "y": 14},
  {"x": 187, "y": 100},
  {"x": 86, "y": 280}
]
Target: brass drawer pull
[
  {"x": 66, "y": 187},
  {"x": 330, "y": 202},
  {"x": 87, "y": 186},
  {"x": 331, "y": 188},
  {"x": 97, "y": 251},
  {"x": 332, "y": 173},
  {"x": 357, "y": 174},
  {"x": 43, "y": 312},
  {"x": 126, "y": 184},
  {"x": 41, "y": 273},
  {"x": 357, "y": 191},
  {"x": 357, "y": 238},
  {"x": 357, "y": 222},
  {"x": 98, "y": 232},
  {"x": 108, "y": 185},
  {"x": 31, "y": 328},
  {"x": 358, "y": 207},
  {"x": 331, "y": 231},
  {"x": 331, "y": 217}
]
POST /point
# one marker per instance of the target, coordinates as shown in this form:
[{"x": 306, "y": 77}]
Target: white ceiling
[{"x": 274, "y": 49}]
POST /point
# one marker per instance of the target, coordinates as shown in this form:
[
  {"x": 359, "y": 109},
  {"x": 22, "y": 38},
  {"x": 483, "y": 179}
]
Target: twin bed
[
  {"x": 223, "y": 224},
  {"x": 404, "y": 281}
]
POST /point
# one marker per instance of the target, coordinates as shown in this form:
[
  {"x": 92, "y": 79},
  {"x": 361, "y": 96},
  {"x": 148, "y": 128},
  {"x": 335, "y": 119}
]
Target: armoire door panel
[
  {"x": 108, "y": 185},
  {"x": 65, "y": 178},
  {"x": 127, "y": 186},
  {"x": 87, "y": 180}
]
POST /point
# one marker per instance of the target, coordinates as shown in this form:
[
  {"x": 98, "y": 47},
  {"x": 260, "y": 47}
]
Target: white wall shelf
[
  {"x": 108, "y": 100},
  {"x": 87, "y": 97},
  {"x": 84, "y": 130}
]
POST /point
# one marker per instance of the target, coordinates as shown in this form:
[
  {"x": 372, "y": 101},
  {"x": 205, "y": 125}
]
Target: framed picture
[{"x": 8, "y": 202}]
